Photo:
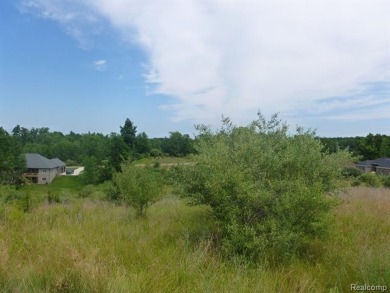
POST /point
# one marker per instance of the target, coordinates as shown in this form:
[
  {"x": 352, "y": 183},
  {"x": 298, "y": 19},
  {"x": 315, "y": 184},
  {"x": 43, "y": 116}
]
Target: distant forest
[
  {"x": 365, "y": 148},
  {"x": 74, "y": 148},
  {"x": 109, "y": 151}
]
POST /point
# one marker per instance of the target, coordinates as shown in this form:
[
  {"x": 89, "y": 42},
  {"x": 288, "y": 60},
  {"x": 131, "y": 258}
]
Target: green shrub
[
  {"x": 370, "y": 179},
  {"x": 269, "y": 191},
  {"x": 53, "y": 197},
  {"x": 25, "y": 203},
  {"x": 18, "y": 198},
  {"x": 87, "y": 191},
  {"x": 139, "y": 186},
  {"x": 5, "y": 192},
  {"x": 386, "y": 181},
  {"x": 356, "y": 182},
  {"x": 156, "y": 164},
  {"x": 351, "y": 172},
  {"x": 111, "y": 191},
  {"x": 155, "y": 153},
  {"x": 71, "y": 163}
]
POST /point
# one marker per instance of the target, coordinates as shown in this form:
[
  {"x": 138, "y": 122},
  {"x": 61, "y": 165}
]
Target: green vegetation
[
  {"x": 12, "y": 163},
  {"x": 139, "y": 186},
  {"x": 270, "y": 192},
  {"x": 100, "y": 154},
  {"x": 371, "y": 179},
  {"x": 60, "y": 183},
  {"x": 165, "y": 161},
  {"x": 366, "y": 148},
  {"x": 96, "y": 246},
  {"x": 241, "y": 209}
]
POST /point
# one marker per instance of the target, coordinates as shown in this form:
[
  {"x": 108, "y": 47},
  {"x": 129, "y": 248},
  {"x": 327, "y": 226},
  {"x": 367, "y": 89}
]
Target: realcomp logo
[{"x": 367, "y": 287}]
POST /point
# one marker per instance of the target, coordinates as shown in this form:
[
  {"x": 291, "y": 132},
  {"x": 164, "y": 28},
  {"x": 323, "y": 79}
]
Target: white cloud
[
  {"x": 100, "y": 65},
  {"x": 72, "y": 15},
  {"x": 362, "y": 115},
  {"x": 233, "y": 57}
]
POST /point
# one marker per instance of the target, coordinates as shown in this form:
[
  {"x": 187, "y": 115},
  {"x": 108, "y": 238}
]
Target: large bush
[
  {"x": 139, "y": 186},
  {"x": 351, "y": 172},
  {"x": 371, "y": 179},
  {"x": 386, "y": 181},
  {"x": 270, "y": 191}
]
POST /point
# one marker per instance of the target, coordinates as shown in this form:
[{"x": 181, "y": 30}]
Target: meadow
[{"x": 92, "y": 245}]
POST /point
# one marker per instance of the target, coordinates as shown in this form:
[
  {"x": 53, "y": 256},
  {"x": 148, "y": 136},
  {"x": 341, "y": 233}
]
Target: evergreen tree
[
  {"x": 119, "y": 151},
  {"x": 128, "y": 133}
]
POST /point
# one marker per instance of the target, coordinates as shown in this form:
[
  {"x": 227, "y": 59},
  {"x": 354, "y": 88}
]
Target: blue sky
[{"x": 167, "y": 65}]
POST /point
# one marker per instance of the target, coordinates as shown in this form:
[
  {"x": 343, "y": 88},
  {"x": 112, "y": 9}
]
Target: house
[
  {"x": 41, "y": 170},
  {"x": 380, "y": 166}
]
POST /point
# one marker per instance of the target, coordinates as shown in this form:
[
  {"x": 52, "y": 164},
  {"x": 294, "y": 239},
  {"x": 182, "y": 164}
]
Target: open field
[
  {"x": 165, "y": 160},
  {"x": 60, "y": 183},
  {"x": 95, "y": 246}
]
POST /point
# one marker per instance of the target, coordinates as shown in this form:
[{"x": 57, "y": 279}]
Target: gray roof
[
  {"x": 36, "y": 161},
  {"x": 381, "y": 162},
  {"x": 58, "y": 162}
]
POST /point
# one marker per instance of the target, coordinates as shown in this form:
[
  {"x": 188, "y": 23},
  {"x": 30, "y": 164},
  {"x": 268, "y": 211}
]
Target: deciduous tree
[
  {"x": 269, "y": 190},
  {"x": 139, "y": 186}
]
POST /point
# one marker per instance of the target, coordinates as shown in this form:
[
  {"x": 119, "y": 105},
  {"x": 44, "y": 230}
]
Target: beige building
[{"x": 41, "y": 170}]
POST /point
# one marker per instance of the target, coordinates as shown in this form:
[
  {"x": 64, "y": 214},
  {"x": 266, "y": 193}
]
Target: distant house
[
  {"x": 380, "y": 166},
  {"x": 41, "y": 170}
]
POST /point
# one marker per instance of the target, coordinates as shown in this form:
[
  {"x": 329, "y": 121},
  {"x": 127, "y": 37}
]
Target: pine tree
[{"x": 128, "y": 133}]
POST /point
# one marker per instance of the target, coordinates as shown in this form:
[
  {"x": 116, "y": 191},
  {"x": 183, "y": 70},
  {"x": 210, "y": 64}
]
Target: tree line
[
  {"x": 103, "y": 154},
  {"x": 369, "y": 147},
  {"x": 100, "y": 154}
]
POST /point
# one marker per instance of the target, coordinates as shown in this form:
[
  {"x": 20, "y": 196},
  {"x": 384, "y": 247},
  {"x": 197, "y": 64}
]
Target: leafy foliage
[
  {"x": 20, "y": 199},
  {"x": 269, "y": 191},
  {"x": 370, "y": 179},
  {"x": 12, "y": 163},
  {"x": 367, "y": 148},
  {"x": 109, "y": 151},
  {"x": 386, "y": 181},
  {"x": 86, "y": 191},
  {"x": 139, "y": 186},
  {"x": 119, "y": 151},
  {"x": 351, "y": 172}
]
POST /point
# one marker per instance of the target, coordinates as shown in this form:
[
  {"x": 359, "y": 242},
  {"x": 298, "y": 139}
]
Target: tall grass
[{"x": 96, "y": 246}]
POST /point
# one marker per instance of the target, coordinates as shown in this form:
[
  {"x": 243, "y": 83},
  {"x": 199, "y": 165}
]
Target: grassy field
[
  {"x": 165, "y": 160},
  {"x": 60, "y": 183},
  {"x": 95, "y": 246}
]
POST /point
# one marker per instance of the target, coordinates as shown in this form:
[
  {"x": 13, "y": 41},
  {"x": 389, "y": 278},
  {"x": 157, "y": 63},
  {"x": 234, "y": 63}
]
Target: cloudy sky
[{"x": 87, "y": 65}]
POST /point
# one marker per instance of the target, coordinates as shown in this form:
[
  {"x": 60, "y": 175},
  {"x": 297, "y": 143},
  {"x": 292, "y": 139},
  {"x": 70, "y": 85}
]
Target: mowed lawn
[
  {"x": 60, "y": 183},
  {"x": 95, "y": 246}
]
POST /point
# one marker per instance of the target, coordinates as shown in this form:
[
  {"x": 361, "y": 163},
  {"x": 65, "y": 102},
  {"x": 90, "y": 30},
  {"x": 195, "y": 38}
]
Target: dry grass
[
  {"x": 95, "y": 246},
  {"x": 359, "y": 251}
]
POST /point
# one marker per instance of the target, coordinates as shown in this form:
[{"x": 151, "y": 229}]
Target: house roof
[
  {"x": 381, "y": 162},
  {"x": 36, "y": 161},
  {"x": 58, "y": 162}
]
